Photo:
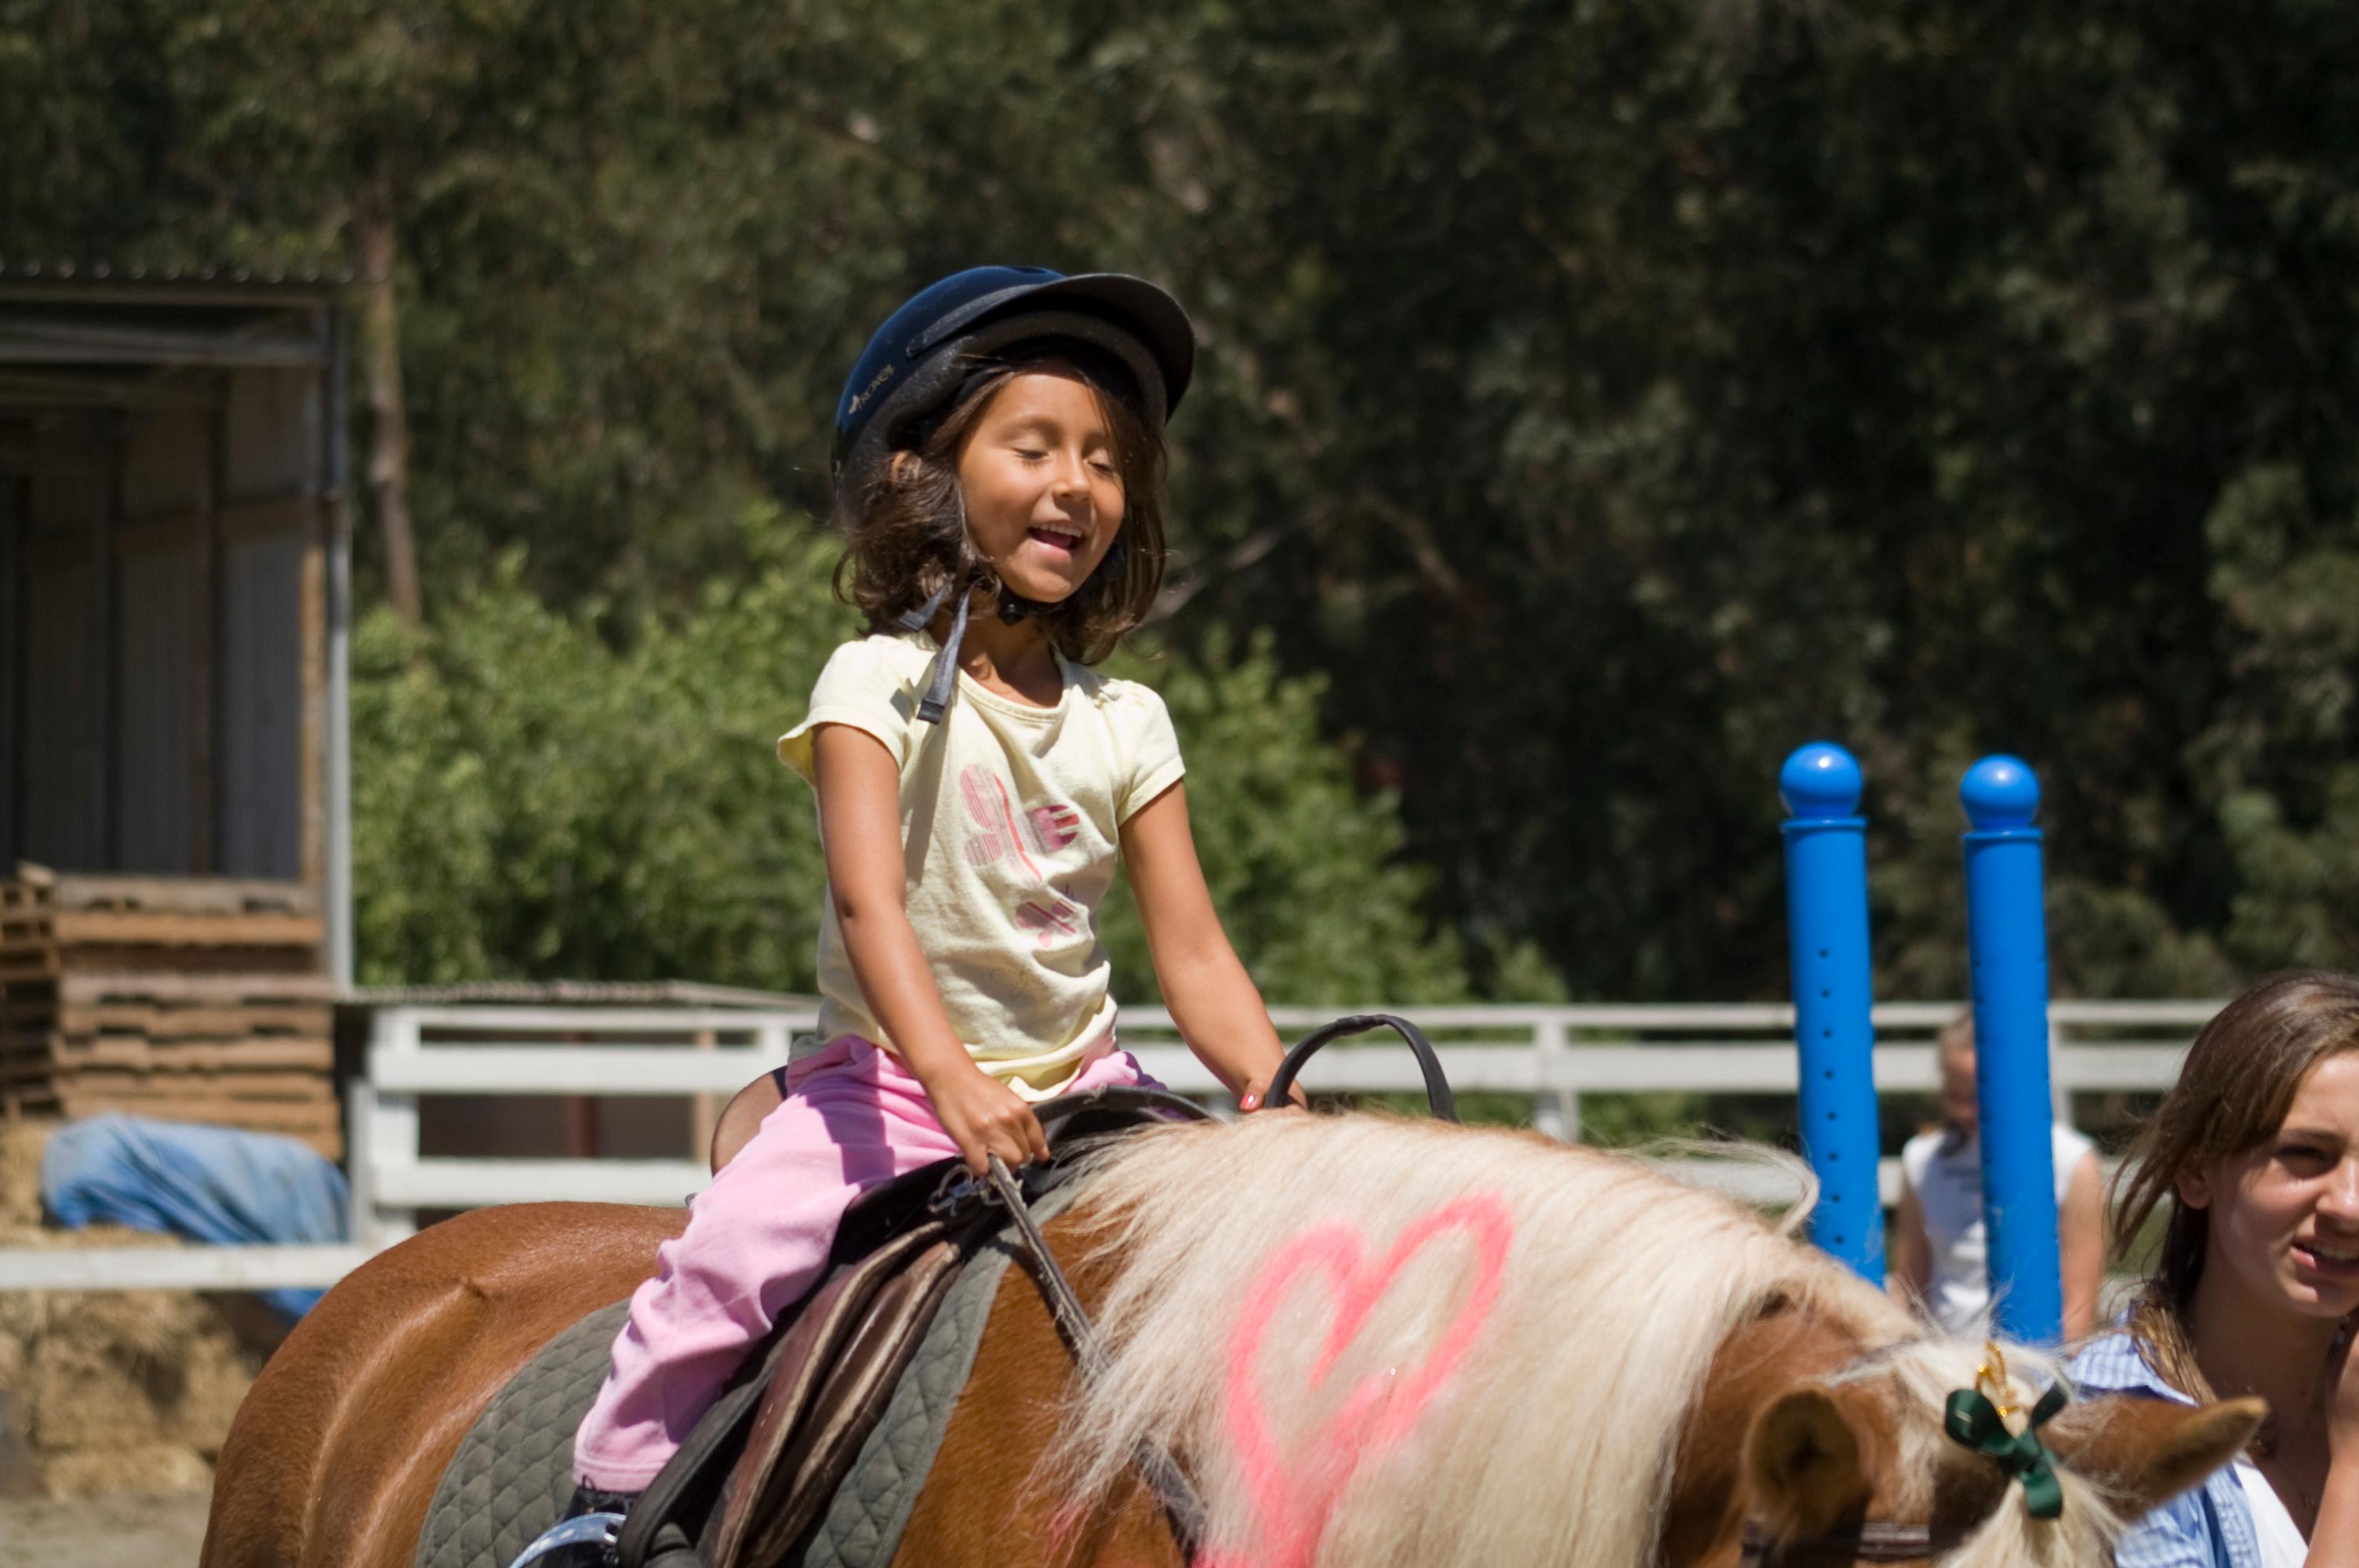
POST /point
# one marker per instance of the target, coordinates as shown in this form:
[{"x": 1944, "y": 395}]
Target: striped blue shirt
[{"x": 2211, "y": 1527}]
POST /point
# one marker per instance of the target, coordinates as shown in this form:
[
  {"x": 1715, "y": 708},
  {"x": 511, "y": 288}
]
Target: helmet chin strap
[
  {"x": 945, "y": 671},
  {"x": 1013, "y": 608}
]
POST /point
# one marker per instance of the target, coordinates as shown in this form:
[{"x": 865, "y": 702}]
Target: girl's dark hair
[
  {"x": 906, "y": 531},
  {"x": 2231, "y": 1096}
]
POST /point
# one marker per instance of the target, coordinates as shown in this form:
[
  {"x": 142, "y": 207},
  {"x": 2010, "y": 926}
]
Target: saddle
[{"x": 755, "y": 1474}]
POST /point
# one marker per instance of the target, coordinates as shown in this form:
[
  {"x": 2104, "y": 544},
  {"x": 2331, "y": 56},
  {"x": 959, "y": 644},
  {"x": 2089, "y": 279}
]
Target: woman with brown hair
[{"x": 2256, "y": 1152}]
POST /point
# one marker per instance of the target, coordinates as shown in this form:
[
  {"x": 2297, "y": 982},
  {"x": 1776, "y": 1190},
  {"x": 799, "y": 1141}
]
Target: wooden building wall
[
  {"x": 165, "y": 569},
  {"x": 67, "y": 544}
]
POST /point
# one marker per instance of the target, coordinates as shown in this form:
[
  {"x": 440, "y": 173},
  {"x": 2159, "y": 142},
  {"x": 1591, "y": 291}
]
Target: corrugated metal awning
[{"x": 97, "y": 336}]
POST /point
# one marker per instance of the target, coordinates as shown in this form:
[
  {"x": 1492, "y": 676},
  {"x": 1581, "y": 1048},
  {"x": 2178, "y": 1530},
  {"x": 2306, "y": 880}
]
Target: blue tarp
[{"x": 208, "y": 1184}]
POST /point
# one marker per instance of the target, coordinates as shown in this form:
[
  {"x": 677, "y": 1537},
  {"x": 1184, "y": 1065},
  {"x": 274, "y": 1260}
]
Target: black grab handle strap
[{"x": 1437, "y": 1098}]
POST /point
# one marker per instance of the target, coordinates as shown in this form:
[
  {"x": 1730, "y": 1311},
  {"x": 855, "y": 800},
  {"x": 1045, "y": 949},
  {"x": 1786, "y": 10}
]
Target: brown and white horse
[{"x": 1370, "y": 1342}]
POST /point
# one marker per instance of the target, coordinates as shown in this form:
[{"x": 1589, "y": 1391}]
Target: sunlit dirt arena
[{"x": 103, "y": 1533}]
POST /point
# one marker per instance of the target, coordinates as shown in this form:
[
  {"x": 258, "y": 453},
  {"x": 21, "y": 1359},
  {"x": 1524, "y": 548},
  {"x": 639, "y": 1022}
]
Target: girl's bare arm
[
  {"x": 859, "y": 827},
  {"x": 1907, "y": 1256},
  {"x": 2081, "y": 1237},
  {"x": 1214, "y": 1001}
]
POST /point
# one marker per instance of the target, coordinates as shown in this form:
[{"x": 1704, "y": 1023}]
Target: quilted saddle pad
[{"x": 512, "y": 1475}]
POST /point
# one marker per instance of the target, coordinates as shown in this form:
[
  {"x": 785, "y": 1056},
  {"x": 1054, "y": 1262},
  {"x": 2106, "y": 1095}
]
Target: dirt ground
[{"x": 103, "y": 1533}]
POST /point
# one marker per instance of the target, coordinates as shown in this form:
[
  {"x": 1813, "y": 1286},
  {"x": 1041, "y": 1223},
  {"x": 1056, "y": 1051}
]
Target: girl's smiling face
[
  {"x": 1044, "y": 498},
  {"x": 2284, "y": 1218}
]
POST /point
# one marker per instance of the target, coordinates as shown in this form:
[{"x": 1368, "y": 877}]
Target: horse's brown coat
[
  {"x": 336, "y": 1452},
  {"x": 974, "y": 1508},
  {"x": 1705, "y": 1520}
]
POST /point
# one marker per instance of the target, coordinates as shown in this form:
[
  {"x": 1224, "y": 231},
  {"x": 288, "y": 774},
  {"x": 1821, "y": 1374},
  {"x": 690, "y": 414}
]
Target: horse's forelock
[{"x": 1931, "y": 1473}]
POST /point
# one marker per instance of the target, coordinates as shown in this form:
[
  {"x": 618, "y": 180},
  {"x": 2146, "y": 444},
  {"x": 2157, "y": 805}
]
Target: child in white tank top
[{"x": 1938, "y": 1256}]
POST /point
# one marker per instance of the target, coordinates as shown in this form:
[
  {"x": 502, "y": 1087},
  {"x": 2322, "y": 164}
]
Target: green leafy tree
[
  {"x": 531, "y": 802},
  {"x": 1600, "y": 400},
  {"x": 1305, "y": 872}
]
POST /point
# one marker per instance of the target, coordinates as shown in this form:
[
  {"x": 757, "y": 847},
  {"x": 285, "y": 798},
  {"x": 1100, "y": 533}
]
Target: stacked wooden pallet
[{"x": 187, "y": 999}]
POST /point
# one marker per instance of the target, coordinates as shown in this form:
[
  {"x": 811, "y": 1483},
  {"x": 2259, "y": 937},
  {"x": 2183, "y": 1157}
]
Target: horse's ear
[
  {"x": 1810, "y": 1459},
  {"x": 2141, "y": 1450}
]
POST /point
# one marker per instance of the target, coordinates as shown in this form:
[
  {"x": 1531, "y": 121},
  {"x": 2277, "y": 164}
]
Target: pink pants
[{"x": 758, "y": 1239}]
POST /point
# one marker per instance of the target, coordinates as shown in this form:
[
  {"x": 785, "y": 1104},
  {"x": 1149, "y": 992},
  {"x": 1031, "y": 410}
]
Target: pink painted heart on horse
[{"x": 1295, "y": 1492}]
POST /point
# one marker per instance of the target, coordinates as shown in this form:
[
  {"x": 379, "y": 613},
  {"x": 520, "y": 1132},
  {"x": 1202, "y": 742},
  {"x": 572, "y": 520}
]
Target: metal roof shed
[{"x": 175, "y": 578}]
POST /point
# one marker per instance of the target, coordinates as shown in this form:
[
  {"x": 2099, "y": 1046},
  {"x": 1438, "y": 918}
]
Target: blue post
[
  {"x": 2007, "y": 943},
  {"x": 1826, "y": 925}
]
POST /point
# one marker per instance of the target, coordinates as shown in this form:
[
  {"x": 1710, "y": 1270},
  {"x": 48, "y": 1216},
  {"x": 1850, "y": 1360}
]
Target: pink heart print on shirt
[
  {"x": 1053, "y": 827},
  {"x": 1045, "y": 912},
  {"x": 1295, "y": 1494},
  {"x": 1045, "y": 922},
  {"x": 995, "y": 821}
]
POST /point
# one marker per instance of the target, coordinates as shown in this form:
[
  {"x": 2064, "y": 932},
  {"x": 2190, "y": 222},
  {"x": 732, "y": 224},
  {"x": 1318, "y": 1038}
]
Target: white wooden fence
[{"x": 1555, "y": 1056}]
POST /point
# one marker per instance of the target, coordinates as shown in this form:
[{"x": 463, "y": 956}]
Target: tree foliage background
[{"x": 1598, "y": 400}]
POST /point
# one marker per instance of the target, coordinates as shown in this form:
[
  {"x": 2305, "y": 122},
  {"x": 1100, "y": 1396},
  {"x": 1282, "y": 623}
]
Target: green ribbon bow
[{"x": 1974, "y": 1422}]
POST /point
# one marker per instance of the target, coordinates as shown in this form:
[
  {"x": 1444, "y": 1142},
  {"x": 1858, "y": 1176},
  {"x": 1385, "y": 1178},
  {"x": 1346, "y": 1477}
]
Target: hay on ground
[
  {"x": 78, "y": 1396},
  {"x": 154, "y": 1469},
  {"x": 113, "y": 1390},
  {"x": 21, "y": 1143},
  {"x": 215, "y": 1373}
]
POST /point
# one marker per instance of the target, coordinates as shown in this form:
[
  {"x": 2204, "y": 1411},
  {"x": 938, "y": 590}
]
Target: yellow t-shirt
[{"x": 1011, "y": 818}]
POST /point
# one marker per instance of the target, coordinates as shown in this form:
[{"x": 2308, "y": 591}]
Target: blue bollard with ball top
[
  {"x": 2007, "y": 943},
  {"x": 1826, "y": 911}
]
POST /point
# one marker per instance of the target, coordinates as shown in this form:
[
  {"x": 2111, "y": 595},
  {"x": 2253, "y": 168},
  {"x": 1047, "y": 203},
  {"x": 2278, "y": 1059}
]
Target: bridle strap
[{"x": 1867, "y": 1540}]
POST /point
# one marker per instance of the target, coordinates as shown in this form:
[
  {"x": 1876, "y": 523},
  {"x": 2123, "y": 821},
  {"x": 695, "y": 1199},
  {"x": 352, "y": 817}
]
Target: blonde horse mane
[{"x": 1556, "y": 1438}]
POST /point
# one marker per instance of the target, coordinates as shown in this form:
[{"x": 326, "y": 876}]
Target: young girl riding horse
[{"x": 998, "y": 462}]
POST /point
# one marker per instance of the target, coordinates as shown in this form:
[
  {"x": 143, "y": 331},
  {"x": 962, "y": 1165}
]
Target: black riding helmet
[{"x": 915, "y": 368}]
